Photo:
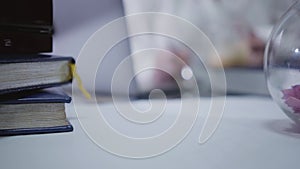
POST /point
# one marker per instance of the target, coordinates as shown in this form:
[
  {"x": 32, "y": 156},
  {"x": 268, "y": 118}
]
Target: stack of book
[{"x": 27, "y": 105}]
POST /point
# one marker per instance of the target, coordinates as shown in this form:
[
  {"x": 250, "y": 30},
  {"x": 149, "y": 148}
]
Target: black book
[
  {"x": 36, "y": 113},
  {"x": 26, "y": 26}
]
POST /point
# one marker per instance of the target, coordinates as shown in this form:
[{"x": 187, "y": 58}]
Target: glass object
[{"x": 282, "y": 63}]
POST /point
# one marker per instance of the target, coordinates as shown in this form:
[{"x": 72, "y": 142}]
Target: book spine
[{"x": 25, "y": 42}]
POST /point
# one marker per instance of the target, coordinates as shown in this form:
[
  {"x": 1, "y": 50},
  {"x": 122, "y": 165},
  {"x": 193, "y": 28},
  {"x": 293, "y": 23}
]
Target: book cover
[{"x": 37, "y": 119}]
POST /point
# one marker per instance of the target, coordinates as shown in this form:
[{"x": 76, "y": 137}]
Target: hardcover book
[
  {"x": 36, "y": 113},
  {"x": 31, "y": 72},
  {"x": 26, "y": 26}
]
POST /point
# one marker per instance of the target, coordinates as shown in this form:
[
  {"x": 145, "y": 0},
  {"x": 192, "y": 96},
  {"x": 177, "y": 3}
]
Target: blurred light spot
[{"x": 186, "y": 73}]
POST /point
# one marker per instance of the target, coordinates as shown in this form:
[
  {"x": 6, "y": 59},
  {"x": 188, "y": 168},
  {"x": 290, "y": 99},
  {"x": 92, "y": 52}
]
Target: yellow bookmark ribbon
[{"x": 79, "y": 81}]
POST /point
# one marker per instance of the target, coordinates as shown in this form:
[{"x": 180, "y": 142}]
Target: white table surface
[{"x": 253, "y": 133}]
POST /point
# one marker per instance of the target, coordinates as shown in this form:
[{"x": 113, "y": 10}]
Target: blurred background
[{"x": 238, "y": 29}]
